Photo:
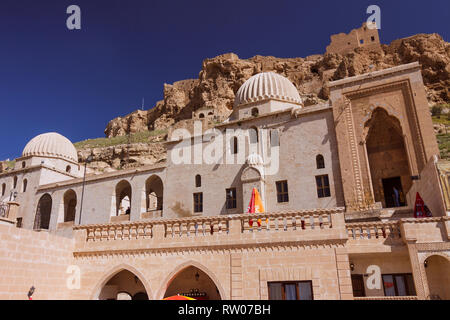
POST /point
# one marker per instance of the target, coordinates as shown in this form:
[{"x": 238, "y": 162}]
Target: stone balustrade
[
  {"x": 295, "y": 220},
  {"x": 373, "y": 230},
  {"x": 203, "y": 226}
]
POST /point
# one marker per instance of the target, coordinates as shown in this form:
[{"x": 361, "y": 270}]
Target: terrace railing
[
  {"x": 294, "y": 221},
  {"x": 373, "y": 230}
]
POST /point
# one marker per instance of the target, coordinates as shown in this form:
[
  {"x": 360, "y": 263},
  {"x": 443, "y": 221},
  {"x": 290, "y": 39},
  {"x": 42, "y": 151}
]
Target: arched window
[
  {"x": 23, "y": 164},
  {"x": 234, "y": 145},
  {"x": 24, "y": 185},
  {"x": 198, "y": 181},
  {"x": 154, "y": 190},
  {"x": 43, "y": 212},
  {"x": 320, "y": 162},
  {"x": 201, "y": 115},
  {"x": 210, "y": 114},
  {"x": 15, "y": 183},
  {"x": 3, "y": 189},
  {"x": 70, "y": 205},
  {"x": 255, "y": 112},
  {"x": 123, "y": 198},
  {"x": 68, "y": 169}
]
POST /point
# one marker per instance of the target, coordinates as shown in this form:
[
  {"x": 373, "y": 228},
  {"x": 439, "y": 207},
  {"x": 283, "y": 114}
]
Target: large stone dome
[
  {"x": 267, "y": 85},
  {"x": 51, "y": 144}
]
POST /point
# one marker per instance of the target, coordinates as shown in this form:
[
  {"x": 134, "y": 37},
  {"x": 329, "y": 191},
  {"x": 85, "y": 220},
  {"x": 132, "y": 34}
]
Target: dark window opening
[
  {"x": 43, "y": 212},
  {"x": 358, "y": 285},
  {"x": 255, "y": 112},
  {"x": 393, "y": 192},
  {"x": 234, "y": 145},
  {"x": 320, "y": 161},
  {"x": 231, "y": 198},
  {"x": 198, "y": 181},
  {"x": 282, "y": 191},
  {"x": 323, "y": 186},
  {"x": 295, "y": 290},
  {"x": 398, "y": 285},
  {"x": 198, "y": 202}
]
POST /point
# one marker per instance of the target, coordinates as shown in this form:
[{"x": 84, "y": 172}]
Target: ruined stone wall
[{"x": 363, "y": 37}]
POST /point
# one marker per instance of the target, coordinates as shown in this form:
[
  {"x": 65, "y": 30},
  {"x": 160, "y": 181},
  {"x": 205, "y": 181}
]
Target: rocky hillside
[{"x": 220, "y": 78}]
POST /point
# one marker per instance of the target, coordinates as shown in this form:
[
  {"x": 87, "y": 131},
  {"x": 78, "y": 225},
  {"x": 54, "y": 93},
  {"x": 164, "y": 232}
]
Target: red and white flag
[
  {"x": 255, "y": 206},
  {"x": 420, "y": 209}
]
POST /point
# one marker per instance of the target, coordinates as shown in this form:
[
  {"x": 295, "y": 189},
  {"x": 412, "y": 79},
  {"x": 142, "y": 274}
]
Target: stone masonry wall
[{"x": 29, "y": 258}]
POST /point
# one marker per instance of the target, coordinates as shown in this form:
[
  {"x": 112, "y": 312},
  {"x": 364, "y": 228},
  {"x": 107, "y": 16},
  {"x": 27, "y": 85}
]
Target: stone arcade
[{"x": 169, "y": 229}]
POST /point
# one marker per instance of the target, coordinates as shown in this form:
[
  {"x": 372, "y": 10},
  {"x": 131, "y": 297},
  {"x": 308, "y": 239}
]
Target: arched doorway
[
  {"x": 123, "y": 198},
  {"x": 388, "y": 161},
  {"x": 124, "y": 285},
  {"x": 437, "y": 269},
  {"x": 43, "y": 212},
  {"x": 154, "y": 191},
  {"x": 193, "y": 282},
  {"x": 70, "y": 205}
]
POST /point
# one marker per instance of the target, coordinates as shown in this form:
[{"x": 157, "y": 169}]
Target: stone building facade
[{"x": 326, "y": 174}]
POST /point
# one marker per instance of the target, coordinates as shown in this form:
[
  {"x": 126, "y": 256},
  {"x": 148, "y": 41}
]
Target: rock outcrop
[
  {"x": 123, "y": 156},
  {"x": 221, "y": 77}
]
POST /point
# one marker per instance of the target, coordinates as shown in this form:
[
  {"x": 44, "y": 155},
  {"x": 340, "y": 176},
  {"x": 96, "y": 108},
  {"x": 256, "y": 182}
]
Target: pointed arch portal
[
  {"x": 388, "y": 160},
  {"x": 123, "y": 285},
  {"x": 193, "y": 282}
]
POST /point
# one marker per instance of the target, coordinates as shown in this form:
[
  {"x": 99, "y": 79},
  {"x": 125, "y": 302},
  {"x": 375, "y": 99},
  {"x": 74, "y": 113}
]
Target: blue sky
[{"x": 74, "y": 82}]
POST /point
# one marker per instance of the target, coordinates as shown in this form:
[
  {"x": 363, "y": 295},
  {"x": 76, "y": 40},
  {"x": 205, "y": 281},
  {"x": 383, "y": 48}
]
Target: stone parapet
[{"x": 297, "y": 227}]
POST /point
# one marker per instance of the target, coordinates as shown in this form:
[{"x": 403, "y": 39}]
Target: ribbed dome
[
  {"x": 267, "y": 85},
  {"x": 51, "y": 144}
]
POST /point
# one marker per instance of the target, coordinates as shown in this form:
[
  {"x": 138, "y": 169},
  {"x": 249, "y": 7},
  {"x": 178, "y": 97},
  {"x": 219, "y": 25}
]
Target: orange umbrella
[{"x": 178, "y": 297}]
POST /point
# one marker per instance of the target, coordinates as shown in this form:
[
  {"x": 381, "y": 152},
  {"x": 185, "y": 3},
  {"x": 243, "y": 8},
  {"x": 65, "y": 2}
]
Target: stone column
[
  {"x": 344, "y": 274},
  {"x": 236, "y": 276},
  {"x": 421, "y": 287},
  {"x": 408, "y": 235}
]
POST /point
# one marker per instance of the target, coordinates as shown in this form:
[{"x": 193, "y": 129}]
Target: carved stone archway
[{"x": 184, "y": 266}]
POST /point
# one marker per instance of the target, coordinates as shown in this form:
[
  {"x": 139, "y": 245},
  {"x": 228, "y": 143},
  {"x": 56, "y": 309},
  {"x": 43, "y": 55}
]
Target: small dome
[
  {"x": 267, "y": 85},
  {"x": 51, "y": 144},
  {"x": 254, "y": 159}
]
